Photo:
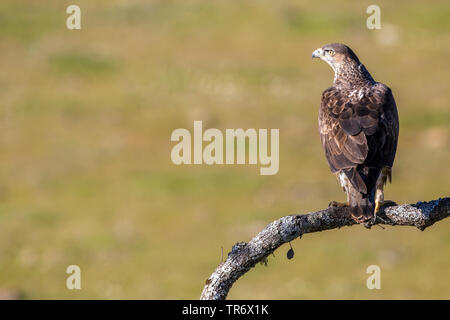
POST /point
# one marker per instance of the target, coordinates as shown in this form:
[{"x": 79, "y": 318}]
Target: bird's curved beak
[{"x": 317, "y": 53}]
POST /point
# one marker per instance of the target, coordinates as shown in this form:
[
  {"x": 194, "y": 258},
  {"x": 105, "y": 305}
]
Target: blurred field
[{"x": 85, "y": 124}]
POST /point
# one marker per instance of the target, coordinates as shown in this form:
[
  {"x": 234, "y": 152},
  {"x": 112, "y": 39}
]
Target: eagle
[{"x": 358, "y": 126}]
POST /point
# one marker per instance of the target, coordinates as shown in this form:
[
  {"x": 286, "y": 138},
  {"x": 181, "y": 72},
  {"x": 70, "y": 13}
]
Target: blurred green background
[{"x": 85, "y": 123}]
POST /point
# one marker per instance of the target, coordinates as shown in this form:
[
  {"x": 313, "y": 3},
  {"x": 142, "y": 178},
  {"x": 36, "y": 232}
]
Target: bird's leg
[
  {"x": 379, "y": 200},
  {"x": 343, "y": 180},
  {"x": 385, "y": 175}
]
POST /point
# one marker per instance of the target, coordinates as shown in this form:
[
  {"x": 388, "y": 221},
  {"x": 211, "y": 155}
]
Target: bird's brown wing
[{"x": 359, "y": 136}]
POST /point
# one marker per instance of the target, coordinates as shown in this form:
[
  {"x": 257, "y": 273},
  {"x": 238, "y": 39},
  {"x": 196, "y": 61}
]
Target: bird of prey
[{"x": 358, "y": 125}]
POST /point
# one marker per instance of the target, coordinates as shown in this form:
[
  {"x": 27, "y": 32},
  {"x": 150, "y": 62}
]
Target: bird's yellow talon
[{"x": 378, "y": 205}]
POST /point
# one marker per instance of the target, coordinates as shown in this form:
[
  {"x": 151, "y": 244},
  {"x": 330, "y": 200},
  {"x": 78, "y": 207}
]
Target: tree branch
[{"x": 244, "y": 256}]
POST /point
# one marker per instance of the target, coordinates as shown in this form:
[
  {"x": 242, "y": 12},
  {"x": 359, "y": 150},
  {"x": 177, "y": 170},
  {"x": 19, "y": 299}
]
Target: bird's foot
[
  {"x": 338, "y": 204},
  {"x": 378, "y": 206},
  {"x": 380, "y": 219},
  {"x": 385, "y": 203},
  {"x": 364, "y": 220}
]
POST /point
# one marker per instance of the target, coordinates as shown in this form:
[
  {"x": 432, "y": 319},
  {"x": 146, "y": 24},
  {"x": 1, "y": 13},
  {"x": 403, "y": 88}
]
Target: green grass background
[{"x": 85, "y": 124}]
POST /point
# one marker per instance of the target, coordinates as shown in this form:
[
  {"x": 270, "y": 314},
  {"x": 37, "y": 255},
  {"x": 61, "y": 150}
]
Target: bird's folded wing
[{"x": 357, "y": 133}]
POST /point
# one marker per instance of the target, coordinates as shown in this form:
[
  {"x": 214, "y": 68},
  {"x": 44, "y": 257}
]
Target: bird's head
[{"x": 336, "y": 55}]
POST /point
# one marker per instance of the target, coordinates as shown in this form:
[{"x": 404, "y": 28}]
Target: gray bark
[{"x": 244, "y": 256}]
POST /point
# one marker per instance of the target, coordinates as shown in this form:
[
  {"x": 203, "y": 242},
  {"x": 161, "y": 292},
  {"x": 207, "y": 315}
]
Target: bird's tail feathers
[{"x": 362, "y": 208}]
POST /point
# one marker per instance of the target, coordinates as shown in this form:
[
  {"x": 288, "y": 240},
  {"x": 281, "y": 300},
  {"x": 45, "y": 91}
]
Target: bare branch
[{"x": 244, "y": 256}]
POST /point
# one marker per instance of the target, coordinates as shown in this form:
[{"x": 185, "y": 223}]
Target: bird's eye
[{"x": 330, "y": 52}]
